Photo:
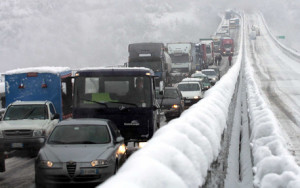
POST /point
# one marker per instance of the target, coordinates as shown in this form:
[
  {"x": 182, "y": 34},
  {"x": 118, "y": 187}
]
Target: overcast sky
[{"x": 78, "y": 33}]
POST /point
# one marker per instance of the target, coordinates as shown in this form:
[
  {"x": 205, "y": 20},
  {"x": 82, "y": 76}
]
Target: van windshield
[
  {"x": 189, "y": 87},
  {"x": 112, "y": 92}
]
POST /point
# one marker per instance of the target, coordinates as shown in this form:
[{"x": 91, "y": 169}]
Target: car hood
[
  {"x": 190, "y": 94},
  {"x": 23, "y": 124},
  {"x": 168, "y": 101},
  {"x": 77, "y": 153}
]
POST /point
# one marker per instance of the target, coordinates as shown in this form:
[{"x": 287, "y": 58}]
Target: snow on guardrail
[
  {"x": 181, "y": 152},
  {"x": 282, "y": 46},
  {"x": 273, "y": 164}
]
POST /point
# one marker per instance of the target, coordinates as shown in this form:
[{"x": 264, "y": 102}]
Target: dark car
[
  {"x": 172, "y": 102},
  {"x": 80, "y": 151}
]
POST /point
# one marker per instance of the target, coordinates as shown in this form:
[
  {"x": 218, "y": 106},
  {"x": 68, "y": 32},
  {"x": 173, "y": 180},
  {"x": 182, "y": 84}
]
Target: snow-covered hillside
[{"x": 78, "y": 33}]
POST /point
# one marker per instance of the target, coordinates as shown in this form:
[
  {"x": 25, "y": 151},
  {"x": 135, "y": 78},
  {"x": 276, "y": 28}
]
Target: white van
[{"x": 191, "y": 92}]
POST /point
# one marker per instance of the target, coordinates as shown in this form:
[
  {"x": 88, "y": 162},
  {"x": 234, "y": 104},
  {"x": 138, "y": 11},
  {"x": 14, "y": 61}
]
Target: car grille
[
  {"x": 18, "y": 133},
  {"x": 71, "y": 167},
  {"x": 81, "y": 178},
  {"x": 58, "y": 178}
]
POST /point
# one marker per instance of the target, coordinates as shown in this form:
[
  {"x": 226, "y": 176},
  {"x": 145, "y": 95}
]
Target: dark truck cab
[{"x": 112, "y": 93}]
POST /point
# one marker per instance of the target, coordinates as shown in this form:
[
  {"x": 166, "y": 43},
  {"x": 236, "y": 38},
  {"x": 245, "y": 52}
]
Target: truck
[
  {"x": 202, "y": 61},
  {"x": 40, "y": 84},
  {"x": 210, "y": 54},
  {"x": 227, "y": 46},
  {"x": 152, "y": 56},
  {"x": 183, "y": 64},
  {"x": 35, "y": 100},
  {"x": 112, "y": 93}
]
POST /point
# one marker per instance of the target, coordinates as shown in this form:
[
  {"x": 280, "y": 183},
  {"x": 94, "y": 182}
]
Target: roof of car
[
  {"x": 85, "y": 121},
  {"x": 189, "y": 82},
  {"x": 190, "y": 79},
  {"x": 208, "y": 70}
]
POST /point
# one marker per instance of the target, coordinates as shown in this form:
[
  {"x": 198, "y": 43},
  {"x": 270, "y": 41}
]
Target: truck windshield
[
  {"x": 19, "y": 112},
  {"x": 179, "y": 58},
  {"x": 227, "y": 45},
  {"x": 112, "y": 92},
  {"x": 156, "y": 66},
  {"x": 80, "y": 134}
]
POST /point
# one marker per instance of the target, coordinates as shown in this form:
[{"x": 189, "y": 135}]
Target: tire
[
  {"x": 33, "y": 152},
  {"x": 2, "y": 162},
  {"x": 116, "y": 167}
]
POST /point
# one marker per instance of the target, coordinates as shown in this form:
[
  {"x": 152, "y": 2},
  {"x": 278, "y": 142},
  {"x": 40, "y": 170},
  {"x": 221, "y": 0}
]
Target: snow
[
  {"x": 273, "y": 164},
  {"x": 45, "y": 69}
]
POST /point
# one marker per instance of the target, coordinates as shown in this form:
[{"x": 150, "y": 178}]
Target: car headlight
[
  {"x": 122, "y": 149},
  {"x": 39, "y": 132},
  {"x": 99, "y": 163},
  {"x": 196, "y": 97},
  {"x": 1, "y": 134},
  {"x": 175, "y": 106},
  {"x": 46, "y": 164}
]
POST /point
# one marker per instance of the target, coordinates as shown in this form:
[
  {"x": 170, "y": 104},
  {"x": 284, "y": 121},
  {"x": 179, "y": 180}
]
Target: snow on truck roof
[{"x": 48, "y": 69}]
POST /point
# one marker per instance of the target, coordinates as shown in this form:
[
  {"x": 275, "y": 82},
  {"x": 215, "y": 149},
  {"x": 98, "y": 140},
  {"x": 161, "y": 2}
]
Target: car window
[
  {"x": 18, "y": 112},
  {"x": 189, "y": 87},
  {"x": 52, "y": 109},
  {"x": 80, "y": 134},
  {"x": 115, "y": 131},
  {"x": 171, "y": 94}
]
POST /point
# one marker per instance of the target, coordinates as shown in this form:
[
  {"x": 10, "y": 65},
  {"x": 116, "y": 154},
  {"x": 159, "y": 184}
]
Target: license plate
[
  {"x": 187, "y": 101},
  {"x": 89, "y": 171},
  {"x": 17, "y": 145}
]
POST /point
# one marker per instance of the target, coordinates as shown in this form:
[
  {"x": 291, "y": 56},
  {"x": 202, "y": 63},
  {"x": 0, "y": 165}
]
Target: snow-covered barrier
[
  {"x": 287, "y": 50},
  {"x": 181, "y": 152},
  {"x": 273, "y": 164}
]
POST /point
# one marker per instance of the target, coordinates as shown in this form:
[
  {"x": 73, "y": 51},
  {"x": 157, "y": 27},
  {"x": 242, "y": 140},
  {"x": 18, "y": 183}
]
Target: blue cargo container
[{"x": 41, "y": 84}]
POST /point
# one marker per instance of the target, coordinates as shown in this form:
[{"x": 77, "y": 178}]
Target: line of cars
[
  {"x": 108, "y": 110},
  {"x": 187, "y": 92}
]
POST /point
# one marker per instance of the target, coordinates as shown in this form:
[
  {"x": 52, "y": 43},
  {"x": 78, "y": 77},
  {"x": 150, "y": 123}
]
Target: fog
[{"x": 81, "y": 33}]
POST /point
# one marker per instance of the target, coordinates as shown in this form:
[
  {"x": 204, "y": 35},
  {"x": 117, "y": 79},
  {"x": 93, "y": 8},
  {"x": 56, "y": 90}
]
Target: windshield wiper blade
[
  {"x": 102, "y": 103},
  {"x": 56, "y": 142},
  {"x": 120, "y": 102}
]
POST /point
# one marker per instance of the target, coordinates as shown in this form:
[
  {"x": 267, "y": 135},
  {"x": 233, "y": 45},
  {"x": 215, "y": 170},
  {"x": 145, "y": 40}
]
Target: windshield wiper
[
  {"x": 120, "y": 102},
  {"x": 101, "y": 103},
  {"x": 56, "y": 142}
]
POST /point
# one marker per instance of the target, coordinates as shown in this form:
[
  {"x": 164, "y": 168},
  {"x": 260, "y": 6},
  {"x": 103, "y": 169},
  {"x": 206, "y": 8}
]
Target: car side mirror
[
  {"x": 161, "y": 88},
  {"x": 56, "y": 116},
  {"x": 119, "y": 139}
]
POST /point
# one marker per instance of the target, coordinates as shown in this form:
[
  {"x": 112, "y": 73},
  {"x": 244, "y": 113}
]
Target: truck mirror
[
  {"x": 161, "y": 88},
  {"x": 56, "y": 116}
]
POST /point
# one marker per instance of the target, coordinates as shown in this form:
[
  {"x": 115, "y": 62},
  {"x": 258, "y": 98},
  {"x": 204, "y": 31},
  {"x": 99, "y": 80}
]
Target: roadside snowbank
[
  {"x": 180, "y": 153},
  {"x": 273, "y": 164}
]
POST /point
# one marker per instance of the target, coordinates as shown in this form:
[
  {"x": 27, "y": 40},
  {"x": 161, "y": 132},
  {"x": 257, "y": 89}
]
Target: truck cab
[
  {"x": 26, "y": 125},
  {"x": 152, "y": 56},
  {"x": 126, "y": 96}
]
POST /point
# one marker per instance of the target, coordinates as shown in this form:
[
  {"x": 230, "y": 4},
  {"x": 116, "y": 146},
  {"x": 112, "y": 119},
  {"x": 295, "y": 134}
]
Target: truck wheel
[{"x": 33, "y": 152}]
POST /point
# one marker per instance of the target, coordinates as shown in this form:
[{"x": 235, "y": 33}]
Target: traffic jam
[{"x": 81, "y": 125}]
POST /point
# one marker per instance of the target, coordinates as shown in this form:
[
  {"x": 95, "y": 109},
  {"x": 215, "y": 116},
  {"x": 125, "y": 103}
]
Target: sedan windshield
[
  {"x": 80, "y": 134},
  {"x": 19, "y": 112},
  {"x": 189, "y": 87},
  {"x": 171, "y": 94}
]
